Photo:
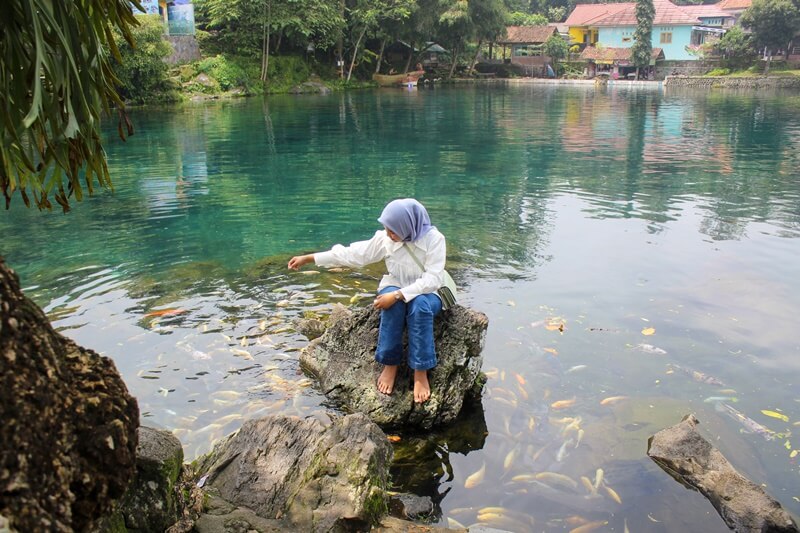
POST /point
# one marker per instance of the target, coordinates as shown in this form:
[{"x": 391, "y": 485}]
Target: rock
[
  {"x": 68, "y": 444},
  {"x": 310, "y": 87},
  {"x": 223, "y": 517},
  {"x": 343, "y": 362},
  {"x": 411, "y": 506},
  {"x": 311, "y": 328},
  {"x": 150, "y": 504},
  {"x": 314, "y": 477},
  {"x": 396, "y": 525},
  {"x": 744, "y": 506}
]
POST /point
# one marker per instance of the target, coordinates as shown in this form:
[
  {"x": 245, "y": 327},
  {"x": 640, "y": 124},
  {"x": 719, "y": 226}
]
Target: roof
[
  {"x": 586, "y": 14},
  {"x": 624, "y": 14},
  {"x": 707, "y": 11},
  {"x": 607, "y": 53},
  {"x": 433, "y": 47},
  {"x": 734, "y": 4},
  {"x": 528, "y": 34}
]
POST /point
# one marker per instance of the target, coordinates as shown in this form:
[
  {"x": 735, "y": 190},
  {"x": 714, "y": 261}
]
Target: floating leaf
[
  {"x": 773, "y": 414},
  {"x": 793, "y": 454},
  {"x": 648, "y": 331},
  {"x": 787, "y": 445}
]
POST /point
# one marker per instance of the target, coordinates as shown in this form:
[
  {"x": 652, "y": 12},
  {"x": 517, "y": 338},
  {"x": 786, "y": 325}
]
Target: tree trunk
[
  {"x": 637, "y": 73},
  {"x": 340, "y": 44},
  {"x": 410, "y": 57},
  {"x": 380, "y": 57},
  {"x": 265, "y": 42},
  {"x": 278, "y": 43},
  {"x": 455, "y": 62},
  {"x": 355, "y": 53},
  {"x": 491, "y": 50},
  {"x": 475, "y": 57}
]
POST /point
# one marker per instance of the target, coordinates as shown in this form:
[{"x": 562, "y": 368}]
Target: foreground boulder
[
  {"x": 343, "y": 360},
  {"x": 694, "y": 462},
  {"x": 68, "y": 441},
  {"x": 316, "y": 478},
  {"x": 151, "y": 502}
]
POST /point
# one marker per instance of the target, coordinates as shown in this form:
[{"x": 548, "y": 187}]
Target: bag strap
[{"x": 414, "y": 256}]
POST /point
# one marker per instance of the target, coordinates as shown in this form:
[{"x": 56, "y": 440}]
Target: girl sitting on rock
[{"x": 406, "y": 295}]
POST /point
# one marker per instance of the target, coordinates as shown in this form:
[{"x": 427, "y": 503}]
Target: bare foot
[
  {"x": 386, "y": 379},
  {"x": 422, "y": 389}
]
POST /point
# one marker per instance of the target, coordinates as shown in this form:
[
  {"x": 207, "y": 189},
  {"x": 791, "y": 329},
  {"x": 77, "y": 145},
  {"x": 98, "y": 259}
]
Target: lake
[{"x": 636, "y": 249}]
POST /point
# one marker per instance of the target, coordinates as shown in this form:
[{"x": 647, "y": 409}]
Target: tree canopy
[{"x": 55, "y": 81}]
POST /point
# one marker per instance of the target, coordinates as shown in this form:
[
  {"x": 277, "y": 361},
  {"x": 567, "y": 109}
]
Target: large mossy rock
[
  {"x": 343, "y": 361},
  {"x": 68, "y": 441},
  {"x": 151, "y": 502},
  {"x": 689, "y": 458},
  {"x": 316, "y": 478}
]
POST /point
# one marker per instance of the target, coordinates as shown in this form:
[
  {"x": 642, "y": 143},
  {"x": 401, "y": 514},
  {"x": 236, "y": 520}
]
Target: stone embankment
[{"x": 749, "y": 83}]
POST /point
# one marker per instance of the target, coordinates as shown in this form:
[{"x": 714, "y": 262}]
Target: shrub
[{"x": 142, "y": 73}]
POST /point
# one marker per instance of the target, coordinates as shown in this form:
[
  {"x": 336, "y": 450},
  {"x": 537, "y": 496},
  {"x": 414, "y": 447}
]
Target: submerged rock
[
  {"x": 313, "y": 477},
  {"x": 343, "y": 361},
  {"x": 744, "y": 506},
  {"x": 68, "y": 442}
]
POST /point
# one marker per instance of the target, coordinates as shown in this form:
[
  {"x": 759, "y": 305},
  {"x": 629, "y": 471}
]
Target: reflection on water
[{"x": 636, "y": 252}]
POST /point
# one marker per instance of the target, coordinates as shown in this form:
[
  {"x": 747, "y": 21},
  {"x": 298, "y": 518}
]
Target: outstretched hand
[{"x": 299, "y": 260}]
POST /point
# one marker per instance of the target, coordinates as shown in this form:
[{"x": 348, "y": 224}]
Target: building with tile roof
[{"x": 677, "y": 30}]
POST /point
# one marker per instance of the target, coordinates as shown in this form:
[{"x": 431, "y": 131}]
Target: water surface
[{"x": 637, "y": 245}]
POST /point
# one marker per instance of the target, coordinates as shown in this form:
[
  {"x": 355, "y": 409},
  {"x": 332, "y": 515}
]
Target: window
[{"x": 666, "y": 38}]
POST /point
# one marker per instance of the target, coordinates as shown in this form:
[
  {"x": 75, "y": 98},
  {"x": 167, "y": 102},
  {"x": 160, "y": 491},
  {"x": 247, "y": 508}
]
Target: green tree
[
  {"x": 518, "y": 18},
  {"x": 489, "y": 20},
  {"x": 736, "y": 48},
  {"x": 142, "y": 73},
  {"x": 557, "y": 48},
  {"x": 642, "y": 49},
  {"x": 773, "y": 23},
  {"x": 55, "y": 81},
  {"x": 455, "y": 28},
  {"x": 251, "y": 26},
  {"x": 368, "y": 15}
]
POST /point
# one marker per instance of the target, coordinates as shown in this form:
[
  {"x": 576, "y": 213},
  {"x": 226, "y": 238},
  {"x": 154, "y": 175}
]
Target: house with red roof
[
  {"x": 526, "y": 44},
  {"x": 677, "y": 30}
]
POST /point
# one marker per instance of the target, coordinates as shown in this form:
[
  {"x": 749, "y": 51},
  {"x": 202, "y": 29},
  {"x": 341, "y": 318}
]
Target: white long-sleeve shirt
[{"x": 404, "y": 272}]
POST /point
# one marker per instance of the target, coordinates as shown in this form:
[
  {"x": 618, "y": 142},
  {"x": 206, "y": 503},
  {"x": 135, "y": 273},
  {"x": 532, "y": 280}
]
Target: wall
[
  {"x": 184, "y": 49},
  {"x": 786, "y": 82},
  {"x": 622, "y": 37}
]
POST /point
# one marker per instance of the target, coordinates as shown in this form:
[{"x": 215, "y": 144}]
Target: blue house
[{"x": 677, "y": 30}]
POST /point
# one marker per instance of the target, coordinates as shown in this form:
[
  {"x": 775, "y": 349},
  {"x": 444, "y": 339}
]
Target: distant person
[{"x": 406, "y": 295}]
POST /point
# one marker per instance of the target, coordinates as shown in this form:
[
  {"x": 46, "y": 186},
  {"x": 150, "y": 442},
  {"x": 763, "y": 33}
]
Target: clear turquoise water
[{"x": 608, "y": 211}]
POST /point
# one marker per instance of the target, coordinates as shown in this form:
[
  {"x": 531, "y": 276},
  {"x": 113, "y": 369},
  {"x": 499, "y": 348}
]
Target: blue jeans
[{"x": 417, "y": 315}]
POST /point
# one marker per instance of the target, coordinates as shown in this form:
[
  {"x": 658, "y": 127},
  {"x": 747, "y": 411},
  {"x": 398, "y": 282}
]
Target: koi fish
[
  {"x": 591, "y": 526},
  {"x": 563, "y": 404},
  {"x": 715, "y": 399},
  {"x": 476, "y": 478},
  {"x": 649, "y": 348},
  {"x": 750, "y": 425},
  {"x": 165, "y": 312},
  {"x": 698, "y": 376},
  {"x": 559, "y": 479},
  {"x": 612, "y": 399},
  {"x": 614, "y": 496}
]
